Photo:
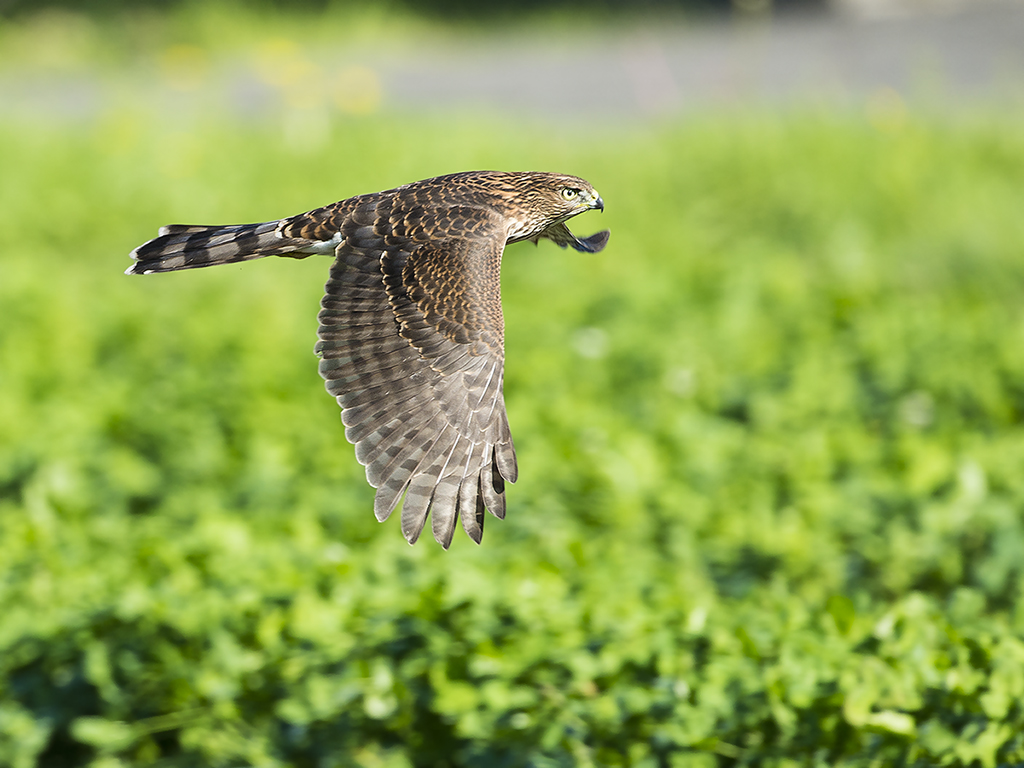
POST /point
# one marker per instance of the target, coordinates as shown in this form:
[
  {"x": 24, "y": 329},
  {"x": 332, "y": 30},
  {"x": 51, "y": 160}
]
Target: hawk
[{"x": 411, "y": 336}]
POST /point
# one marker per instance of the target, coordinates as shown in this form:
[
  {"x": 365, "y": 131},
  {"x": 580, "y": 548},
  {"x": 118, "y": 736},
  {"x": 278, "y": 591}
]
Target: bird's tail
[{"x": 182, "y": 246}]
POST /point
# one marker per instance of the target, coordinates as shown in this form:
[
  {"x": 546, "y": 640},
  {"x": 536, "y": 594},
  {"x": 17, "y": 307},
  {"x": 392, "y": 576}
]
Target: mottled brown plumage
[{"x": 411, "y": 331}]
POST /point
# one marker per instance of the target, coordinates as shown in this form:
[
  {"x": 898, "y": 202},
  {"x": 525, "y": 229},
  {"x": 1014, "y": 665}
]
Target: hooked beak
[{"x": 589, "y": 200}]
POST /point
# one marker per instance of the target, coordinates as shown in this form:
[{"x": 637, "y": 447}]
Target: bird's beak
[{"x": 591, "y": 202}]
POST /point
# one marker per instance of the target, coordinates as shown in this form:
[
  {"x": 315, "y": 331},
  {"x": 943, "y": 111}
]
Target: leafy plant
[{"x": 770, "y": 508}]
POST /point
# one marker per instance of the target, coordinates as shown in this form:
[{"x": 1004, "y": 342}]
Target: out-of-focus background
[{"x": 771, "y": 500}]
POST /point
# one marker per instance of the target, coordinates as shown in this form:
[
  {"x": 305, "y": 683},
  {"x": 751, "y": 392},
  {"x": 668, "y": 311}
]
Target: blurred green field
[{"x": 771, "y": 501}]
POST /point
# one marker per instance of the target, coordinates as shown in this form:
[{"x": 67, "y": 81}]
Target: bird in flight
[{"x": 411, "y": 336}]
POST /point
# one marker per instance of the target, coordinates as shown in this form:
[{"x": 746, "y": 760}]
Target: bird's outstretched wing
[{"x": 411, "y": 344}]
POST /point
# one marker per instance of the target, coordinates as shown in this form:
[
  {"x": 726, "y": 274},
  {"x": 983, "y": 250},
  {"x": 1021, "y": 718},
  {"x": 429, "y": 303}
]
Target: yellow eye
[{"x": 569, "y": 193}]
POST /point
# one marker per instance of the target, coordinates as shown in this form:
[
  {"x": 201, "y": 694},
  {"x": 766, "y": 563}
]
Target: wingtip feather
[{"x": 593, "y": 244}]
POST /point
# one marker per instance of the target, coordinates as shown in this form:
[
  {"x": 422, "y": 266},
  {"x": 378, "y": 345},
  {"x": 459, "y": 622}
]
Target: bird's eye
[{"x": 569, "y": 193}]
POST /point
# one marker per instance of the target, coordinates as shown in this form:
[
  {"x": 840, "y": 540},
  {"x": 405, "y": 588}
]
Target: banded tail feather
[{"x": 186, "y": 246}]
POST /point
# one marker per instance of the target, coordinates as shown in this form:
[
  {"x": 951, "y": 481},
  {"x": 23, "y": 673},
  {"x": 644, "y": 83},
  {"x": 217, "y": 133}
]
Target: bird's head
[{"x": 549, "y": 200}]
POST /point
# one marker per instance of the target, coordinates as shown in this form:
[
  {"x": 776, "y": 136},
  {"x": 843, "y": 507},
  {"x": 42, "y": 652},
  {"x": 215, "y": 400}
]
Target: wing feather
[
  {"x": 471, "y": 506},
  {"x": 411, "y": 345}
]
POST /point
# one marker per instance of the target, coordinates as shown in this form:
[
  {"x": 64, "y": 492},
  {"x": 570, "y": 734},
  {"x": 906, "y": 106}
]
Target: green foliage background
[{"x": 770, "y": 507}]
